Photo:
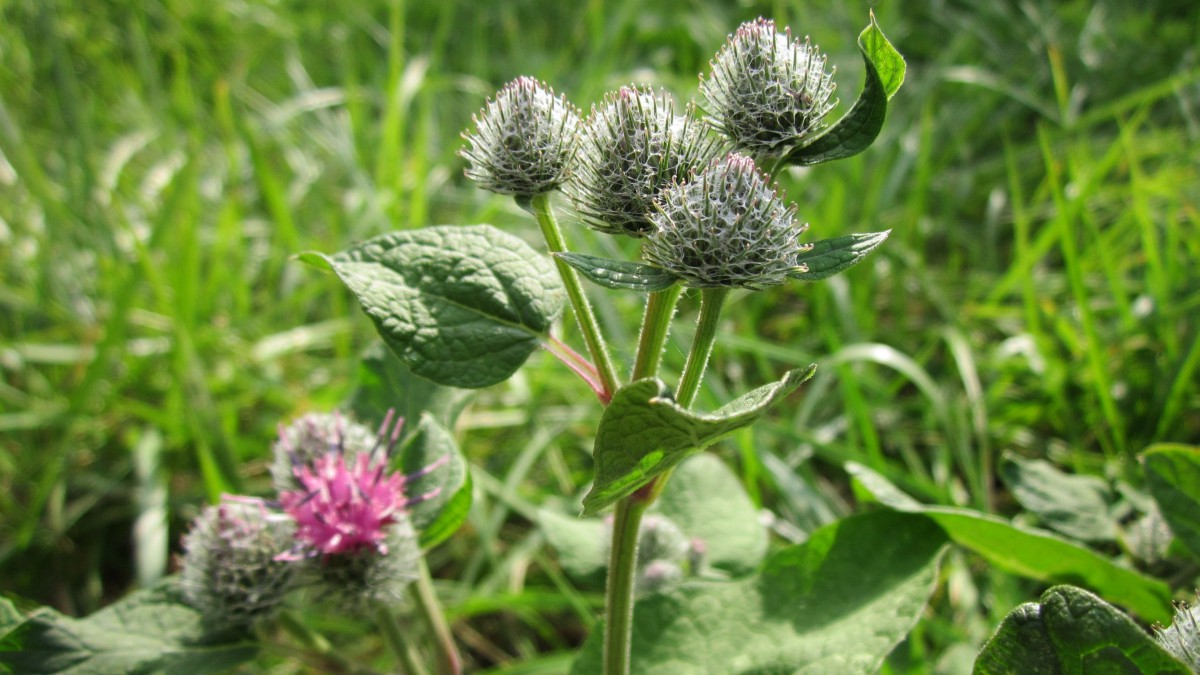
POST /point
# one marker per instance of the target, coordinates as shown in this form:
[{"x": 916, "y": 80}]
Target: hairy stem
[
  {"x": 427, "y": 603},
  {"x": 540, "y": 206},
  {"x": 622, "y": 570},
  {"x": 712, "y": 300},
  {"x": 660, "y": 309},
  {"x": 627, "y": 518},
  {"x": 393, "y": 634}
]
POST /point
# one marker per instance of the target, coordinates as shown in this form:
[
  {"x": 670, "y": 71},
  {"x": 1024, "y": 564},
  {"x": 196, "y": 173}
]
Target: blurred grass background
[{"x": 160, "y": 162}]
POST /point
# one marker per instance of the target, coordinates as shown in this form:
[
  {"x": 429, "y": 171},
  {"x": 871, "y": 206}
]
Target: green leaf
[
  {"x": 1029, "y": 552},
  {"x": 859, "y": 128},
  {"x": 644, "y": 432},
  {"x": 1069, "y": 632},
  {"x": 448, "y": 479},
  {"x": 618, "y": 274},
  {"x": 150, "y": 631},
  {"x": 1173, "y": 476},
  {"x": 1074, "y": 505},
  {"x": 462, "y": 306},
  {"x": 385, "y": 383},
  {"x": 707, "y": 501},
  {"x": 825, "y": 258},
  {"x": 838, "y": 603}
]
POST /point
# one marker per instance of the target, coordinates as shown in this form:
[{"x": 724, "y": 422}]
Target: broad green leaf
[
  {"x": 150, "y": 631},
  {"x": 825, "y": 258},
  {"x": 1072, "y": 632},
  {"x": 707, "y": 501},
  {"x": 432, "y": 449},
  {"x": 618, "y": 274},
  {"x": 1030, "y": 552},
  {"x": 385, "y": 383},
  {"x": 462, "y": 306},
  {"x": 838, "y": 603},
  {"x": 1173, "y": 476},
  {"x": 858, "y": 129},
  {"x": 644, "y": 432},
  {"x": 1074, "y": 505},
  {"x": 703, "y": 498}
]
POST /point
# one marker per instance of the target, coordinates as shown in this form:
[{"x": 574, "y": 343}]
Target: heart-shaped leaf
[
  {"x": 837, "y": 603},
  {"x": 1173, "y": 475},
  {"x": 825, "y": 258},
  {"x": 619, "y": 274},
  {"x": 462, "y": 306},
  {"x": 858, "y": 129},
  {"x": 433, "y": 454},
  {"x": 644, "y": 432},
  {"x": 1028, "y": 552},
  {"x": 150, "y": 631},
  {"x": 1072, "y": 631}
]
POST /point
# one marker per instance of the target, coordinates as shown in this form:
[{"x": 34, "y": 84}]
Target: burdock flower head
[
  {"x": 725, "y": 227},
  {"x": 345, "y": 503},
  {"x": 1182, "y": 637},
  {"x": 524, "y": 142},
  {"x": 352, "y": 516},
  {"x": 231, "y": 571},
  {"x": 633, "y": 146},
  {"x": 767, "y": 91}
]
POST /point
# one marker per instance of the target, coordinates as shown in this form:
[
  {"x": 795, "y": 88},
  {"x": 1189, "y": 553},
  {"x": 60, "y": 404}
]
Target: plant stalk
[
  {"x": 397, "y": 641},
  {"x": 627, "y": 518},
  {"x": 540, "y": 206},
  {"x": 427, "y": 603},
  {"x": 622, "y": 571},
  {"x": 660, "y": 308},
  {"x": 712, "y": 300}
]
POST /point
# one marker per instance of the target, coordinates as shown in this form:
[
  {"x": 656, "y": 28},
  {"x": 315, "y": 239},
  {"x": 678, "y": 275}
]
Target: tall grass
[{"x": 159, "y": 164}]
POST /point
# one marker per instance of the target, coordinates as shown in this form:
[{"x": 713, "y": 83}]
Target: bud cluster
[
  {"x": 341, "y": 522},
  {"x": 726, "y": 227}
]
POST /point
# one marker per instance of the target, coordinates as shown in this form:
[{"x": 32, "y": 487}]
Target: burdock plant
[{"x": 465, "y": 306}]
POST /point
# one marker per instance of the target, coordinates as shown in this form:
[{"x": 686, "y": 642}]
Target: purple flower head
[{"x": 345, "y": 504}]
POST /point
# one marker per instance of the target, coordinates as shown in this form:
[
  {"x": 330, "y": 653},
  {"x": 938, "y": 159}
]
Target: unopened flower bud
[
  {"x": 524, "y": 142},
  {"x": 725, "y": 227},
  {"x": 767, "y": 91},
  {"x": 230, "y": 568},
  {"x": 633, "y": 146},
  {"x": 660, "y": 539}
]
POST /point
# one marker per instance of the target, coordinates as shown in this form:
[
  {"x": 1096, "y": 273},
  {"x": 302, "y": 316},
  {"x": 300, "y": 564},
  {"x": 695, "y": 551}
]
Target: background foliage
[{"x": 159, "y": 163}]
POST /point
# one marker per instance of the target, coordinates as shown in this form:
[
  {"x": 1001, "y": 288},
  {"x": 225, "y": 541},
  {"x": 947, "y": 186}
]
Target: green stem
[
  {"x": 423, "y": 593},
  {"x": 660, "y": 309},
  {"x": 397, "y": 641},
  {"x": 622, "y": 570},
  {"x": 314, "y": 642},
  {"x": 540, "y": 205},
  {"x": 711, "y": 302},
  {"x": 627, "y": 519}
]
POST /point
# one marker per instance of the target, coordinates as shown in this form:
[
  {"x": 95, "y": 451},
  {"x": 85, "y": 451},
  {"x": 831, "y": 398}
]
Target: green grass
[{"x": 160, "y": 164}]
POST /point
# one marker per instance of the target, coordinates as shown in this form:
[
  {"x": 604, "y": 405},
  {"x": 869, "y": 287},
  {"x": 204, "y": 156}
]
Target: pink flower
[{"x": 346, "y": 502}]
